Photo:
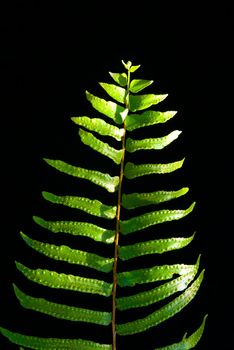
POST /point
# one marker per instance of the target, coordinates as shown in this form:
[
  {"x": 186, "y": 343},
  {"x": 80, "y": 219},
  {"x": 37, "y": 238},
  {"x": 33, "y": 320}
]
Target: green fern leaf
[
  {"x": 132, "y": 171},
  {"x": 136, "y": 200},
  {"x": 136, "y": 121},
  {"x": 163, "y": 313},
  {"x": 158, "y": 246},
  {"x": 102, "y": 147},
  {"x": 187, "y": 343},
  {"x": 91, "y": 206},
  {"x": 156, "y": 273},
  {"x": 108, "y": 108},
  {"x": 159, "y": 293},
  {"x": 60, "y": 311},
  {"x": 114, "y": 91},
  {"x": 99, "y": 126},
  {"x": 100, "y": 179},
  {"x": 140, "y": 102},
  {"x": 37, "y": 343},
  {"x": 140, "y": 222},
  {"x": 120, "y": 78},
  {"x": 54, "y": 279},
  {"x": 146, "y": 144},
  {"x": 72, "y": 256},
  {"x": 78, "y": 228},
  {"x": 106, "y": 274},
  {"x": 139, "y": 84}
]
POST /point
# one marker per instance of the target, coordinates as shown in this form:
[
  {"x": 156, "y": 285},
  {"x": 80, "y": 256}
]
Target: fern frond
[
  {"x": 72, "y": 256},
  {"x": 37, "y": 343},
  {"x": 145, "y": 284},
  {"x": 132, "y": 171},
  {"x": 90, "y": 206},
  {"x": 163, "y": 313},
  {"x": 54, "y": 279},
  {"x": 97, "y": 177},
  {"x": 78, "y": 229}
]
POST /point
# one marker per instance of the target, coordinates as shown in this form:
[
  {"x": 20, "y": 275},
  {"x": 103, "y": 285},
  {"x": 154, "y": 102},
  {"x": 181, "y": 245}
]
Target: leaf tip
[
  {"x": 198, "y": 260},
  {"x": 39, "y": 221},
  {"x": 23, "y": 235},
  {"x": 87, "y": 94},
  {"x": 19, "y": 266},
  {"x": 47, "y": 160},
  {"x": 185, "y": 190}
]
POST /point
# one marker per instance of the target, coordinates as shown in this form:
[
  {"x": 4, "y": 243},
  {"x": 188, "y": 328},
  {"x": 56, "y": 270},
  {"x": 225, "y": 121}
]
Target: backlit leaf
[
  {"x": 72, "y": 256},
  {"x": 147, "y": 118},
  {"x": 163, "y": 313},
  {"x": 132, "y": 171},
  {"x": 37, "y": 343},
  {"x": 136, "y": 200},
  {"x": 104, "y": 180},
  {"x": 54, "y": 279},
  {"x": 187, "y": 343},
  {"x": 156, "y": 273},
  {"x": 154, "y": 143},
  {"x": 139, "y": 84},
  {"x": 65, "y": 312},
  {"x": 78, "y": 229},
  {"x": 108, "y": 108},
  {"x": 140, "y": 102},
  {"x": 140, "y": 222},
  {"x": 102, "y": 147},
  {"x": 158, "y": 293},
  {"x": 157, "y": 246},
  {"x": 116, "y": 92},
  {"x": 120, "y": 78},
  {"x": 91, "y": 206},
  {"x": 100, "y": 126}
]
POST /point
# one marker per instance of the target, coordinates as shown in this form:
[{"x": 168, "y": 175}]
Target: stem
[{"x": 118, "y": 226}]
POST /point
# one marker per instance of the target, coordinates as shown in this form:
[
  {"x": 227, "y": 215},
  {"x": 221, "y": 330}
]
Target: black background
[{"x": 50, "y": 55}]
